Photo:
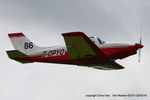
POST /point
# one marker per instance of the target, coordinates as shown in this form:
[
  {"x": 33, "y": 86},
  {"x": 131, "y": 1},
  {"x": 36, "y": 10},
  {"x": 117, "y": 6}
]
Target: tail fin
[{"x": 22, "y": 44}]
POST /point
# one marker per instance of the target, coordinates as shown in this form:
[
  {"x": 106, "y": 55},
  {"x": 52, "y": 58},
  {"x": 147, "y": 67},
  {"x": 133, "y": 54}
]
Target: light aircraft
[{"x": 79, "y": 50}]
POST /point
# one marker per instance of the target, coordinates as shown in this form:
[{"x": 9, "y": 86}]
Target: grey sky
[{"x": 43, "y": 21}]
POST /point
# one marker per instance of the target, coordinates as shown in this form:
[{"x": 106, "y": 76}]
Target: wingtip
[{"x": 72, "y": 33}]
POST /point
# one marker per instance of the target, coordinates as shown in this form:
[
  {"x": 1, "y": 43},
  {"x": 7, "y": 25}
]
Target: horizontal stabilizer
[{"x": 15, "y": 54}]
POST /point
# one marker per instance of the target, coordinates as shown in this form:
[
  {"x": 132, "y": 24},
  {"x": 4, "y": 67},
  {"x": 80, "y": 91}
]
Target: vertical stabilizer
[{"x": 22, "y": 43}]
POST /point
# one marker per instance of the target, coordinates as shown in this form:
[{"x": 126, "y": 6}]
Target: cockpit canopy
[{"x": 97, "y": 40}]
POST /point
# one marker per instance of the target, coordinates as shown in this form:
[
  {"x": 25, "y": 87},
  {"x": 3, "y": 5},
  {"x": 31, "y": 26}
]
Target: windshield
[
  {"x": 97, "y": 39},
  {"x": 92, "y": 39}
]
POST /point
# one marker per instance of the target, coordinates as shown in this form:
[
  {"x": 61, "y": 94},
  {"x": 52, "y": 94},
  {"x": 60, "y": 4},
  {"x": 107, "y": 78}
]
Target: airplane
[{"x": 80, "y": 50}]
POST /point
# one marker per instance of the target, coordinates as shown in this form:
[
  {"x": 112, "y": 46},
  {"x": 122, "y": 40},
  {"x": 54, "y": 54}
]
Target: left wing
[{"x": 80, "y": 46}]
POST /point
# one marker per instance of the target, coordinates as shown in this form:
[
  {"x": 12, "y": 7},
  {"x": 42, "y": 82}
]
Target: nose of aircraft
[{"x": 138, "y": 45}]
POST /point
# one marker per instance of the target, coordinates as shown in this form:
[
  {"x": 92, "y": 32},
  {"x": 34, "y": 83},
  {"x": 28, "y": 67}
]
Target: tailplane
[{"x": 17, "y": 55}]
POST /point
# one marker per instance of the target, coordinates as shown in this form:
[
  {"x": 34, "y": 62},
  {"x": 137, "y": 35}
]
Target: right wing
[
  {"x": 109, "y": 66},
  {"x": 80, "y": 46}
]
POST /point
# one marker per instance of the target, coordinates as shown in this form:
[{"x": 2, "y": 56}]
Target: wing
[
  {"x": 109, "y": 66},
  {"x": 80, "y": 46}
]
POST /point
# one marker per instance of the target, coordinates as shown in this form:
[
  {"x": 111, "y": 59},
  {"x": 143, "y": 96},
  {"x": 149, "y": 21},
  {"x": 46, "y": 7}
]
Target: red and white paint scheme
[{"x": 79, "y": 50}]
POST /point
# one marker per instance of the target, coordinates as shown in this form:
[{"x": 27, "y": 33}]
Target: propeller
[{"x": 139, "y": 51}]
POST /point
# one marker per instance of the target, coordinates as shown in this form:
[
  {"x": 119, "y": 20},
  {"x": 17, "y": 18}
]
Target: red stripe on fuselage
[
  {"x": 15, "y": 34},
  {"x": 64, "y": 59},
  {"x": 44, "y": 59}
]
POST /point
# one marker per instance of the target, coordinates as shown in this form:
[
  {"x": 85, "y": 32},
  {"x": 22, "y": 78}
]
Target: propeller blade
[
  {"x": 139, "y": 51},
  {"x": 139, "y": 55},
  {"x": 141, "y": 39}
]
